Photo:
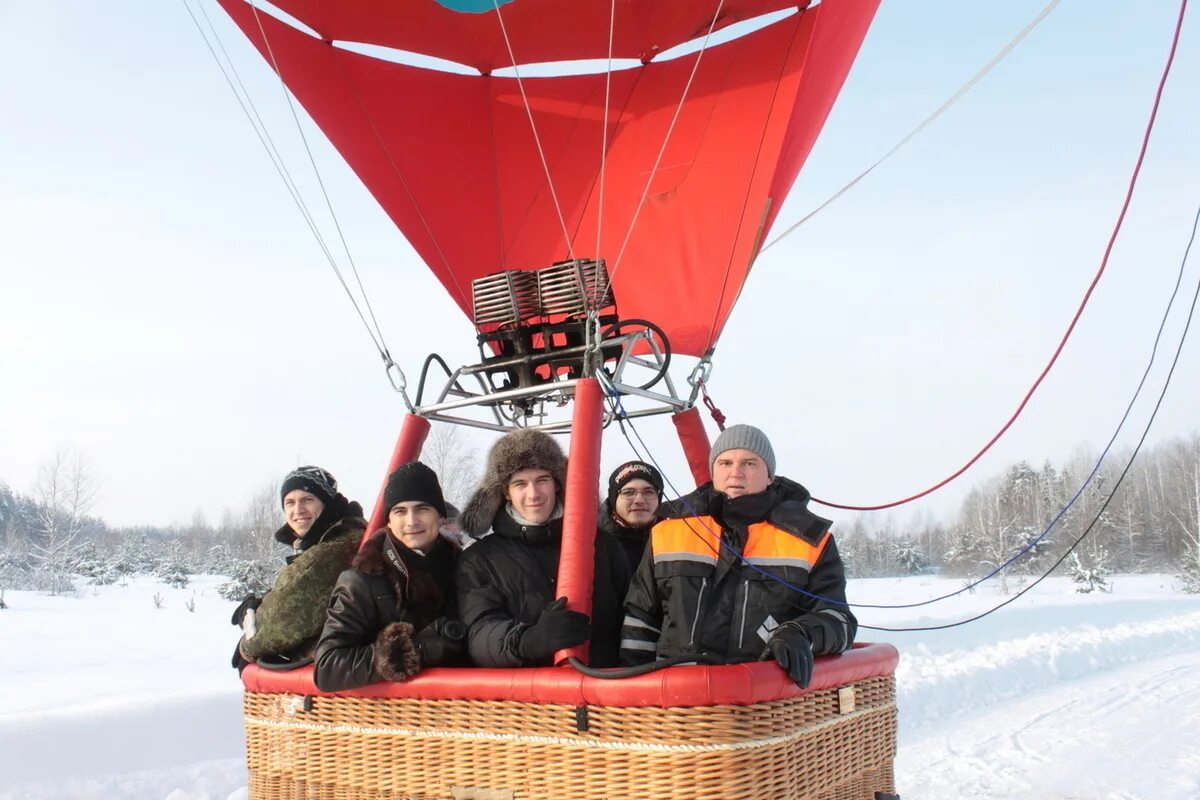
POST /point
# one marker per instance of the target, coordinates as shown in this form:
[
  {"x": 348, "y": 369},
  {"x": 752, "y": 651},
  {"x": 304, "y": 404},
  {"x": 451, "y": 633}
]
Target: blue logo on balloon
[{"x": 473, "y": 6}]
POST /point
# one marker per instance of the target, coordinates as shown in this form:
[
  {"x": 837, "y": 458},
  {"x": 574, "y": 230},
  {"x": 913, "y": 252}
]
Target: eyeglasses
[{"x": 646, "y": 494}]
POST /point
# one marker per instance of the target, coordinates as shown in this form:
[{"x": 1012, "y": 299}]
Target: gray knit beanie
[{"x": 744, "y": 437}]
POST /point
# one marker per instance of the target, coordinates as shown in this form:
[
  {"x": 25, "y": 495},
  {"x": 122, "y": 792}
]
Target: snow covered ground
[{"x": 1058, "y": 695}]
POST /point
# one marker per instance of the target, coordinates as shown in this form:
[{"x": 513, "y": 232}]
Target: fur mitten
[{"x": 396, "y": 657}]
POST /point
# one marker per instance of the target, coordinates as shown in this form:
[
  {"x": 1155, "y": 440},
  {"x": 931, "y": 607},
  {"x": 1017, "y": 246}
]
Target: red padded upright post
[
  {"x": 578, "y": 557},
  {"x": 408, "y": 447},
  {"x": 695, "y": 443}
]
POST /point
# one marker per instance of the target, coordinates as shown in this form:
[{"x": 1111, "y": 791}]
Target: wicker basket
[{"x": 831, "y": 743}]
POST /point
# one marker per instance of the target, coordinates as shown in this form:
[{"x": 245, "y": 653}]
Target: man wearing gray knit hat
[{"x": 740, "y": 569}]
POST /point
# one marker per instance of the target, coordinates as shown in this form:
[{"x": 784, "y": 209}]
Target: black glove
[
  {"x": 790, "y": 646},
  {"x": 556, "y": 629},
  {"x": 239, "y": 613},
  {"x": 441, "y": 642},
  {"x": 396, "y": 657}
]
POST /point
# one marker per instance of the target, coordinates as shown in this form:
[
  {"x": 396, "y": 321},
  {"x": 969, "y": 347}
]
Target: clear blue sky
[{"x": 164, "y": 311}]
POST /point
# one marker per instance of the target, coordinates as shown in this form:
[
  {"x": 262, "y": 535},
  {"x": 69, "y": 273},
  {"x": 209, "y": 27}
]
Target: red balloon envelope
[{"x": 453, "y": 159}]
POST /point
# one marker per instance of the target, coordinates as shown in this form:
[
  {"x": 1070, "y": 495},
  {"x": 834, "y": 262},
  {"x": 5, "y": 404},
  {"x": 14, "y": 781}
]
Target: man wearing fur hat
[
  {"x": 392, "y": 613},
  {"x": 506, "y": 581},
  {"x": 740, "y": 568},
  {"x": 324, "y": 529},
  {"x": 634, "y": 492}
]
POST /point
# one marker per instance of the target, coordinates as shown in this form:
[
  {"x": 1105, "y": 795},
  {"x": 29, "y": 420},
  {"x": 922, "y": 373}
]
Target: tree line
[{"x": 1151, "y": 523}]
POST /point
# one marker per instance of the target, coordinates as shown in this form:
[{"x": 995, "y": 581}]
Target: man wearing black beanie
[
  {"x": 634, "y": 492},
  {"x": 393, "y": 612},
  {"x": 323, "y": 529}
]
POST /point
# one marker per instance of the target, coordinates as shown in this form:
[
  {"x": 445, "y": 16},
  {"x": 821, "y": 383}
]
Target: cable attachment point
[
  {"x": 396, "y": 377},
  {"x": 717, "y": 416}
]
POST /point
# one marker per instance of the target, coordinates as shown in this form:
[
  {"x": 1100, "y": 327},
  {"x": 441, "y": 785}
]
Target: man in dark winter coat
[
  {"x": 506, "y": 581},
  {"x": 634, "y": 492},
  {"x": 725, "y": 565},
  {"x": 324, "y": 530},
  {"x": 392, "y": 613}
]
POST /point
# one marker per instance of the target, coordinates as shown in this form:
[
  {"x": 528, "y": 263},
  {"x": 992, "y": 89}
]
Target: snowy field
[{"x": 1058, "y": 695}]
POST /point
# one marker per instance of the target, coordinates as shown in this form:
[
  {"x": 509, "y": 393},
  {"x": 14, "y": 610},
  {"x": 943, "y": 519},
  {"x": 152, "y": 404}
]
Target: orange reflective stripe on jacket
[
  {"x": 698, "y": 539},
  {"x": 769, "y": 546},
  {"x": 688, "y": 539}
]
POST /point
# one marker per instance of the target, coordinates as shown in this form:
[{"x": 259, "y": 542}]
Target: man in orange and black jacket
[{"x": 740, "y": 568}]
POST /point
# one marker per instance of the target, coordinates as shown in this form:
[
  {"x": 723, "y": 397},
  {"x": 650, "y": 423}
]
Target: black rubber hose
[{"x": 645, "y": 669}]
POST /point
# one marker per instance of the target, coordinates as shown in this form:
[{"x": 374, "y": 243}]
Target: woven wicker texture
[{"x": 345, "y": 748}]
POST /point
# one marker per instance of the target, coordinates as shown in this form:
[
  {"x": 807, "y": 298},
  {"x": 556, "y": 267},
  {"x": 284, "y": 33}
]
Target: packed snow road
[{"x": 1059, "y": 696}]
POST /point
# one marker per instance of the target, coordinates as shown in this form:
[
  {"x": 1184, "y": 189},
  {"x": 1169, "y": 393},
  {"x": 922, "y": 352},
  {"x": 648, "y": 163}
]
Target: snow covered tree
[
  {"x": 247, "y": 577},
  {"x": 909, "y": 557},
  {"x": 1089, "y": 578},
  {"x": 65, "y": 491}
]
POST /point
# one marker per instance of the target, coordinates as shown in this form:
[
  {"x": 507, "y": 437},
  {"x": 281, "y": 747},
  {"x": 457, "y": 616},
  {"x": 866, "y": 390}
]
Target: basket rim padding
[{"x": 736, "y": 684}]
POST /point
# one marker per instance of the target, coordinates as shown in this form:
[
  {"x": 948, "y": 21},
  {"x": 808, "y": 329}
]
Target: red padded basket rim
[{"x": 737, "y": 684}]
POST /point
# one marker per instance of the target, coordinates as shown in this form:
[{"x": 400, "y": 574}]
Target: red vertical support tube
[
  {"x": 694, "y": 439},
  {"x": 408, "y": 447},
  {"x": 575, "y": 565}
]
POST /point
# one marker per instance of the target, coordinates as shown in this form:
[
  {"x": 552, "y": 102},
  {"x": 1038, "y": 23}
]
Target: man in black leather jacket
[
  {"x": 506, "y": 581},
  {"x": 393, "y": 612}
]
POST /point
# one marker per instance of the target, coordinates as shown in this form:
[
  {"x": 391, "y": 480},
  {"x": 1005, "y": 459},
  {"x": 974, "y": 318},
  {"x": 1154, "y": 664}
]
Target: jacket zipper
[
  {"x": 745, "y": 602},
  {"x": 699, "y": 605}
]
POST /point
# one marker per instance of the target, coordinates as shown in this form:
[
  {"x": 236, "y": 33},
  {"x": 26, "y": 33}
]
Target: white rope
[
  {"x": 662, "y": 150},
  {"x": 264, "y": 137},
  {"x": 612, "y": 20},
  {"x": 380, "y": 344},
  {"x": 958, "y": 95},
  {"x": 533, "y": 127},
  {"x": 562, "y": 741}
]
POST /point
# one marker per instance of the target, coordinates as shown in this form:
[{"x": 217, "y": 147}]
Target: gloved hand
[
  {"x": 396, "y": 657},
  {"x": 556, "y": 629},
  {"x": 239, "y": 614},
  {"x": 790, "y": 646},
  {"x": 237, "y": 662},
  {"x": 441, "y": 642}
]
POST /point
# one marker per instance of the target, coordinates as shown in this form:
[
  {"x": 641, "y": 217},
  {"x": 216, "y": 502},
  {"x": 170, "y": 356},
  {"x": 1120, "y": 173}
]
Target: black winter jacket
[
  {"x": 686, "y": 598},
  {"x": 507, "y": 578},
  {"x": 367, "y": 599},
  {"x": 633, "y": 541}
]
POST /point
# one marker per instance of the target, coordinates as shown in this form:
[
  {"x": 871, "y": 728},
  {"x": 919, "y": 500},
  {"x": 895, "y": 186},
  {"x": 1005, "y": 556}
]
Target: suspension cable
[
  {"x": 621, "y": 416},
  {"x": 612, "y": 24},
  {"x": 662, "y": 150},
  {"x": 377, "y": 335},
  {"x": 1099, "y": 514},
  {"x": 536, "y": 138},
  {"x": 264, "y": 137},
  {"x": 1078, "y": 312},
  {"x": 954, "y": 98}
]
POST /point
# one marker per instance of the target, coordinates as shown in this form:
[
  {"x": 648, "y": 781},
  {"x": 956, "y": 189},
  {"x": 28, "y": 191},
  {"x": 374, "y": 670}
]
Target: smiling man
[
  {"x": 740, "y": 568},
  {"x": 506, "y": 581},
  {"x": 634, "y": 492},
  {"x": 323, "y": 529},
  {"x": 392, "y": 613}
]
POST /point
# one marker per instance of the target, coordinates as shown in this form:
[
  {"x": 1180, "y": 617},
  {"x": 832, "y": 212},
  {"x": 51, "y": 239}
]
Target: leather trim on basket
[{"x": 737, "y": 684}]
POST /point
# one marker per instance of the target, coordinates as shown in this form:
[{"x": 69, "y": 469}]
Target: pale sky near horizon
[{"x": 165, "y": 312}]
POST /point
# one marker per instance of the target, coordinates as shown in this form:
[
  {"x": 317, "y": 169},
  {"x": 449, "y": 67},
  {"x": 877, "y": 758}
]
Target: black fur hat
[{"x": 524, "y": 449}]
